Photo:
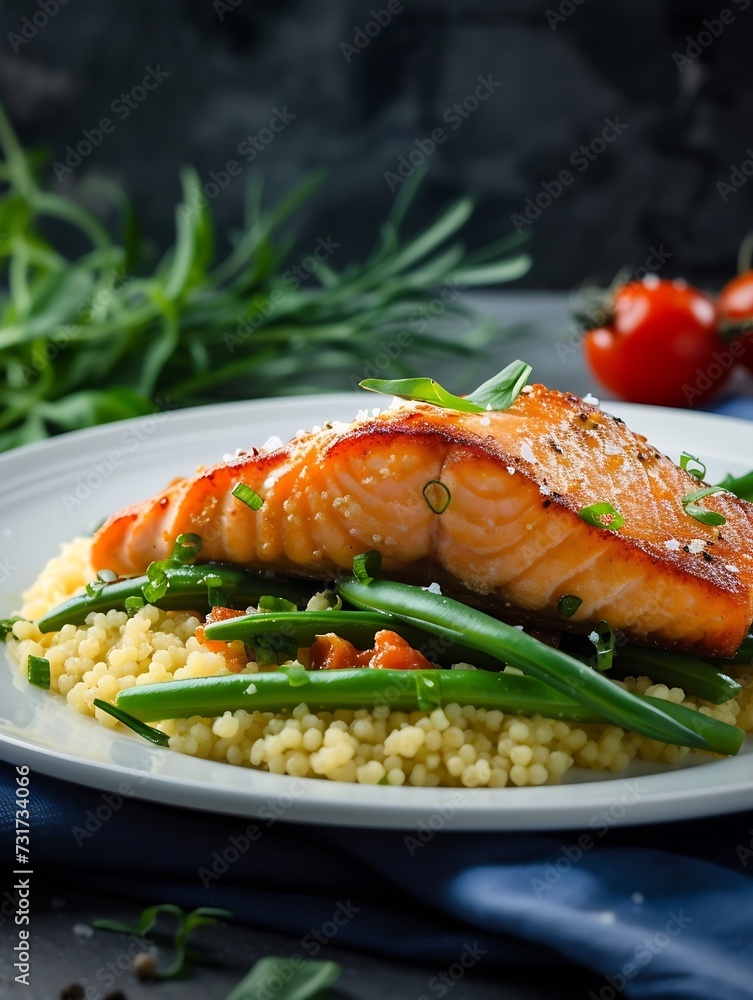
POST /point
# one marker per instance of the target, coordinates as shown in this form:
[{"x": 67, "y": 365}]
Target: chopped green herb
[
  {"x": 499, "y": 393},
  {"x": 691, "y": 507},
  {"x": 246, "y": 495},
  {"x": 568, "y": 605},
  {"x": 133, "y": 605},
  {"x": 216, "y": 595},
  {"x": 138, "y": 727},
  {"x": 298, "y": 675},
  {"x": 302, "y": 979},
  {"x": 325, "y": 600},
  {"x": 6, "y": 626},
  {"x": 693, "y": 465},
  {"x": 596, "y": 513},
  {"x": 270, "y": 603},
  {"x": 157, "y": 584},
  {"x": 186, "y": 549},
  {"x": 186, "y": 923},
  {"x": 437, "y": 496},
  {"x": 367, "y": 566},
  {"x": 38, "y": 671},
  {"x": 604, "y": 639}
]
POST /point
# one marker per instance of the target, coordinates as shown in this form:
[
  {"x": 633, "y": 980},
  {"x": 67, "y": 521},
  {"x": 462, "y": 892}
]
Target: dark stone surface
[
  {"x": 559, "y": 76},
  {"x": 66, "y": 951}
]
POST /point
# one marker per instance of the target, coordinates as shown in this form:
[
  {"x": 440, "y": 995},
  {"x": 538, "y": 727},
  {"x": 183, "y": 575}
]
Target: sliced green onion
[
  {"x": 701, "y": 514},
  {"x": 38, "y": 671},
  {"x": 216, "y": 595},
  {"x": 605, "y": 643},
  {"x": 568, "y": 604},
  {"x": 248, "y": 496},
  {"x": 157, "y": 583},
  {"x": 133, "y": 605},
  {"x": 499, "y": 393},
  {"x": 325, "y": 600},
  {"x": 596, "y": 512},
  {"x": 367, "y": 566},
  {"x": 138, "y": 727},
  {"x": 6, "y": 626},
  {"x": 437, "y": 496},
  {"x": 693, "y": 465},
  {"x": 186, "y": 549},
  {"x": 107, "y": 576},
  {"x": 270, "y": 603}
]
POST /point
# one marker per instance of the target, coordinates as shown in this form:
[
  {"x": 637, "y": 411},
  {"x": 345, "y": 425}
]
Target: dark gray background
[{"x": 654, "y": 185}]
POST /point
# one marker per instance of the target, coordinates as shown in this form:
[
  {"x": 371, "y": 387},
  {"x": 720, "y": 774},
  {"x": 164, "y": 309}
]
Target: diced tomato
[
  {"x": 392, "y": 652},
  {"x": 331, "y": 652},
  {"x": 234, "y": 651}
]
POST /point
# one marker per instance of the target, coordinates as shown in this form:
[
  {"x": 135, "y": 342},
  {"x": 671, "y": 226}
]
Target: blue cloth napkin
[{"x": 659, "y": 912}]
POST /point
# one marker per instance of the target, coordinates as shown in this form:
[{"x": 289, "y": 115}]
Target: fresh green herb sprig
[
  {"x": 193, "y": 327},
  {"x": 204, "y": 916}
]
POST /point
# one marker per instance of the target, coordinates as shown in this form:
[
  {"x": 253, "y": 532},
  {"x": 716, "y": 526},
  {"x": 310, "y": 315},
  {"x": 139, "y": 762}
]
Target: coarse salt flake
[
  {"x": 511, "y": 469},
  {"x": 672, "y": 544},
  {"x": 272, "y": 442},
  {"x": 696, "y": 545},
  {"x": 731, "y": 568},
  {"x": 526, "y": 452},
  {"x": 593, "y": 636},
  {"x": 588, "y": 398}
]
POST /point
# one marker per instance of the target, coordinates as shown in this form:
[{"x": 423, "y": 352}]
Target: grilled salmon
[{"x": 486, "y": 504}]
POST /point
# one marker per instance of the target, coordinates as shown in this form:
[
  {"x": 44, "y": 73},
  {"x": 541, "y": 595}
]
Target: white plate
[{"x": 52, "y": 491}]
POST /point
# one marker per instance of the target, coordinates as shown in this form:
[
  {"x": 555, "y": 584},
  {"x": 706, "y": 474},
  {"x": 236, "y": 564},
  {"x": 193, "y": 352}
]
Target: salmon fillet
[{"x": 510, "y": 538}]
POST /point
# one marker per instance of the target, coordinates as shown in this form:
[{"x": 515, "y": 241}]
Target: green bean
[
  {"x": 438, "y": 614},
  {"x": 404, "y": 690},
  {"x": 358, "y": 627},
  {"x": 187, "y": 590},
  {"x": 744, "y": 653},
  {"x": 694, "y": 676}
]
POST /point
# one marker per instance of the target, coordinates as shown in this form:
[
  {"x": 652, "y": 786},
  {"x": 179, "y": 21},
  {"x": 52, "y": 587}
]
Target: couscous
[{"x": 457, "y": 745}]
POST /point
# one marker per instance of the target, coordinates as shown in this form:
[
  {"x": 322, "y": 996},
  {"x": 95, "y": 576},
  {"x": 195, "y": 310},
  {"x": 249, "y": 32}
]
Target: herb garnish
[
  {"x": 437, "y": 496},
  {"x": 498, "y": 393},
  {"x": 248, "y": 496},
  {"x": 6, "y": 626},
  {"x": 38, "y": 671},
  {"x": 367, "y": 566},
  {"x": 568, "y": 604},
  {"x": 693, "y": 465},
  {"x": 596, "y": 512},
  {"x": 691, "y": 507}
]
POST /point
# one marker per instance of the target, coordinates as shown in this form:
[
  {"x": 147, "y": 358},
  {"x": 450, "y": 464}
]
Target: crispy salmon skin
[{"x": 510, "y": 536}]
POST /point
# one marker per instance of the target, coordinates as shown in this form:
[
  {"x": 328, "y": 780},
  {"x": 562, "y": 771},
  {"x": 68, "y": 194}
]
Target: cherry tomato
[
  {"x": 734, "y": 310},
  {"x": 660, "y": 345}
]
